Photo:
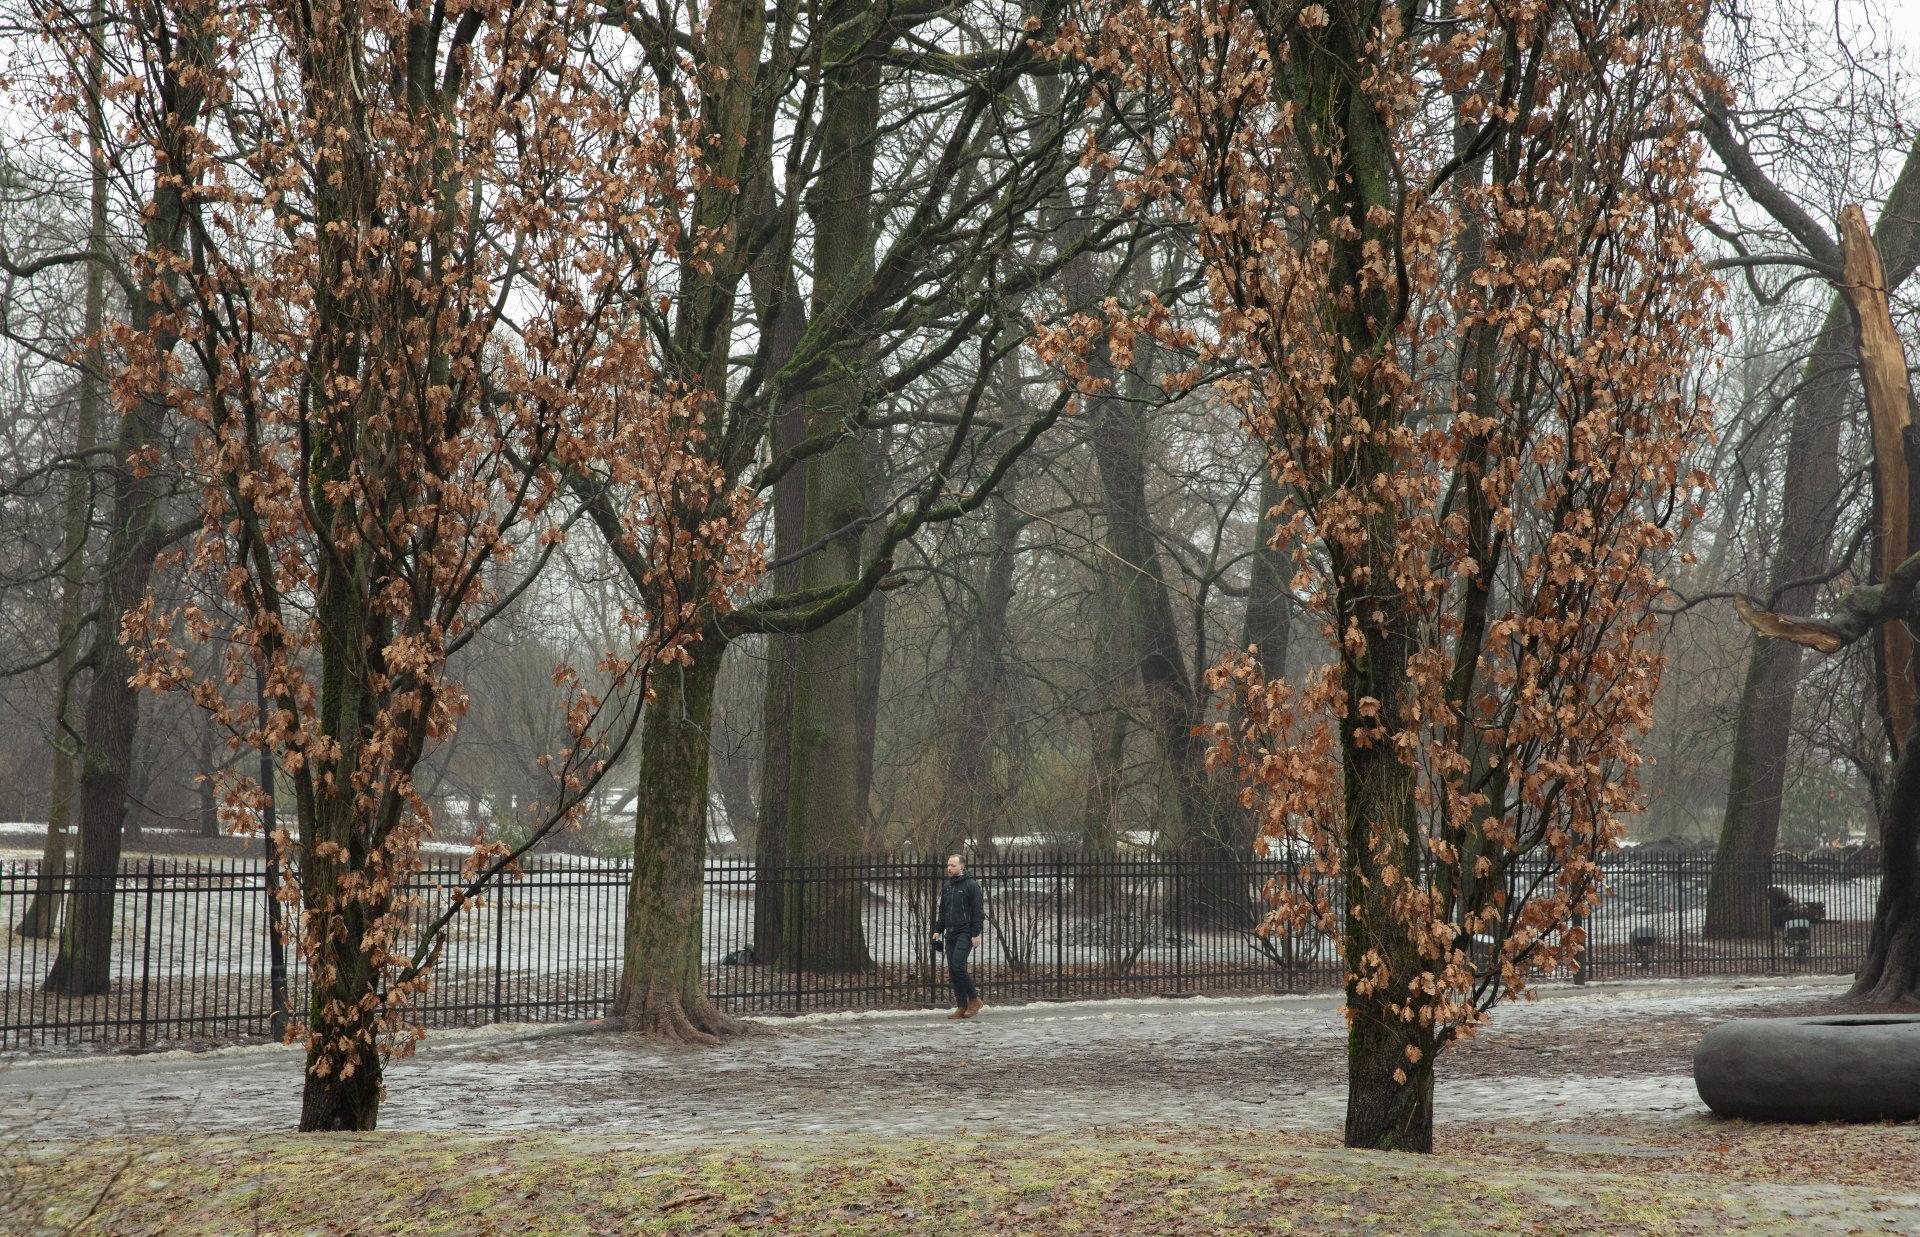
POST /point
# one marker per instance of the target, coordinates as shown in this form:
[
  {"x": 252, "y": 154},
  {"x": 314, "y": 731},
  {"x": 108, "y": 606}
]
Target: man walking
[{"x": 960, "y": 922}]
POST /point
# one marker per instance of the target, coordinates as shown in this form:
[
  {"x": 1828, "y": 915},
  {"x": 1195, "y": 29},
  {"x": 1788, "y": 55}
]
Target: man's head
[{"x": 955, "y": 865}]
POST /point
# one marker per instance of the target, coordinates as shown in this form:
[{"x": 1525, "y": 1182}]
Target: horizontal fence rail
[{"x": 192, "y": 961}]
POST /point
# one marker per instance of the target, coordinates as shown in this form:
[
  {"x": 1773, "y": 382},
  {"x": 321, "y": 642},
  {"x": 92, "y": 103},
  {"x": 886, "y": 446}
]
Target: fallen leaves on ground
[{"x": 1619, "y": 1177}]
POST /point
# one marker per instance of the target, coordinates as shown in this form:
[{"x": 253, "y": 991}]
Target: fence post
[
  {"x": 499, "y": 944},
  {"x": 1180, "y": 884},
  {"x": 799, "y": 934},
  {"x": 1059, "y": 927},
  {"x": 1586, "y": 952},
  {"x": 1680, "y": 909},
  {"x": 1766, "y": 898},
  {"x": 146, "y": 955}
]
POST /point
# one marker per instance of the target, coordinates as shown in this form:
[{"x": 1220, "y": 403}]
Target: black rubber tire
[{"x": 1845, "y": 1067}]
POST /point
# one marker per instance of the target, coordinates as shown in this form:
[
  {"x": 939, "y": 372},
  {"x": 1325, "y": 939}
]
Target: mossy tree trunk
[
  {"x": 660, "y": 992},
  {"x": 340, "y": 906}
]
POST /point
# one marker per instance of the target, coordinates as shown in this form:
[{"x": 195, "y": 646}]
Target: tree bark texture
[
  {"x": 822, "y": 927},
  {"x": 1891, "y": 971},
  {"x": 660, "y": 993}
]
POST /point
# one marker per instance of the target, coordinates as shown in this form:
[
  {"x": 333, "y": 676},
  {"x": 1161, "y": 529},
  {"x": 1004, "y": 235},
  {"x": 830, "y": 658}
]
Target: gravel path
[{"x": 1608, "y": 1050}]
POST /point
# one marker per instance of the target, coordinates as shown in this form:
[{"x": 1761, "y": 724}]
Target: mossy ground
[{"x": 1671, "y": 1177}]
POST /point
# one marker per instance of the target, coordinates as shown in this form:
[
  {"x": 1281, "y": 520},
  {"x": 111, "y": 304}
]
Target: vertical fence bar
[
  {"x": 797, "y": 946},
  {"x": 499, "y": 945},
  {"x": 1773, "y": 960},
  {"x": 1680, "y": 910},
  {"x": 146, "y": 955},
  {"x": 1182, "y": 890},
  {"x": 1059, "y": 926}
]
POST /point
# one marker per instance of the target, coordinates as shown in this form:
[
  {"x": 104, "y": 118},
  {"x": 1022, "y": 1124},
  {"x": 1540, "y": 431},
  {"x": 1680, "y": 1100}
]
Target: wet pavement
[{"x": 1612, "y": 1049}]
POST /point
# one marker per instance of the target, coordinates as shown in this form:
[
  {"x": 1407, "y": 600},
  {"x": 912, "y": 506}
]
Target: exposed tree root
[
  {"x": 1891, "y": 975},
  {"x": 661, "y": 1013}
]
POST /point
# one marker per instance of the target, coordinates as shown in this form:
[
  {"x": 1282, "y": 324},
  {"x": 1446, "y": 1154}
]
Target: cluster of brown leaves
[
  {"x": 408, "y": 321},
  {"x": 1473, "y": 364}
]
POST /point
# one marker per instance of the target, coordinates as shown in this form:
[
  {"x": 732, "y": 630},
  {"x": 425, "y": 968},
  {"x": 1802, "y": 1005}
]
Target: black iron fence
[{"x": 192, "y": 964}]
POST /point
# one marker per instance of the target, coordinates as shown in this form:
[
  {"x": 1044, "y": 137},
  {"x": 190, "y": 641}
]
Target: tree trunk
[
  {"x": 342, "y": 1088},
  {"x": 1891, "y": 971},
  {"x": 822, "y": 929},
  {"x": 776, "y": 773},
  {"x": 1750, "y": 830},
  {"x": 1883, "y": 375},
  {"x": 41, "y": 915},
  {"x": 873, "y": 657},
  {"x": 776, "y": 753},
  {"x": 111, "y": 714},
  {"x": 1385, "y": 1113},
  {"x": 825, "y": 818},
  {"x": 339, "y": 906},
  {"x": 203, "y": 785},
  {"x": 1211, "y": 827},
  {"x": 84, "y": 964},
  {"x": 1269, "y": 600},
  {"x": 660, "y": 993},
  {"x": 976, "y": 793},
  {"x": 1389, "y": 1094}
]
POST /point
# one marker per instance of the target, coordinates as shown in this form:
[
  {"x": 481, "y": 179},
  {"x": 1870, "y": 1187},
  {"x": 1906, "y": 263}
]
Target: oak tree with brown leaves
[
  {"x": 1450, "y": 253},
  {"x": 421, "y": 264}
]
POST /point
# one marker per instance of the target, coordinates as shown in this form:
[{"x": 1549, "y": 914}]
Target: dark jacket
[{"x": 961, "y": 906}]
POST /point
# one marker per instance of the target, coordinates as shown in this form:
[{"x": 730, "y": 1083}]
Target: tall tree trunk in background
[
  {"x": 1810, "y": 488},
  {"x": 112, "y": 711},
  {"x": 1213, "y": 832},
  {"x": 822, "y": 929},
  {"x": 1268, "y": 628},
  {"x": 41, "y": 914},
  {"x": 1211, "y": 825},
  {"x": 203, "y": 784},
  {"x": 976, "y": 791},
  {"x": 873, "y": 652},
  {"x": 1269, "y": 621},
  {"x": 1108, "y": 723},
  {"x": 660, "y": 992},
  {"x": 776, "y": 753}
]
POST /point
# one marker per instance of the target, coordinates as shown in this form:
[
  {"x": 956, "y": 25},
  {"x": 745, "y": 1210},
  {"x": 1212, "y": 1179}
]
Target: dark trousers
[{"x": 959, "y": 948}]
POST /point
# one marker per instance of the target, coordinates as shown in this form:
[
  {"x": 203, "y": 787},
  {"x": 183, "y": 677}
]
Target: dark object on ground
[
  {"x": 739, "y": 957},
  {"x": 1846, "y": 1067},
  {"x": 1644, "y": 941},
  {"x": 1784, "y": 909}
]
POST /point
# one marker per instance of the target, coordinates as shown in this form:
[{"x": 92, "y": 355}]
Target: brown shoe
[
  {"x": 958, "y": 1013},
  {"x": 973, "y": 1007}
]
